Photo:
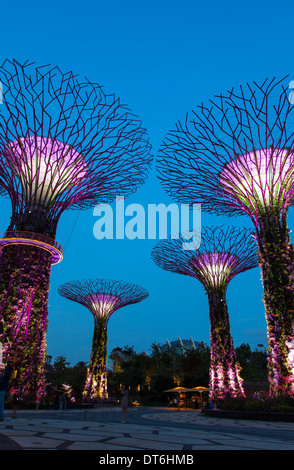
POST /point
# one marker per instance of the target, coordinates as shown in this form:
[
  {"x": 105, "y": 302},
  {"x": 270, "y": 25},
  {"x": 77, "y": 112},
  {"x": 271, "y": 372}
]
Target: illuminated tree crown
[
  {"x": 223, "y": 253},
  {"x": 235, "y": 155},
  {"x": 64, "y": 144},
  {"x": 102, "y": 296}
]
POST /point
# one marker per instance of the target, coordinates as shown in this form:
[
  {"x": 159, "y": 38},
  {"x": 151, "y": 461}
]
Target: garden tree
[
  {"x": 118, "y": 357},
  {"x": 130, "y": 368},
  {"x": 102, "y": 297},
  {"x": 60, "y": 367},
  {"x": 62, "y": 373},
  {"x": 115, "y": 359},
  {"x": 215, "y": 257},
  {"x": 189, "y": 368},
  {"x": 64, "y": 145},
  {"x": 164, "y": 361},
  {"x": 253, "y": 363},
  {"x": 76, "y": 377},
  {"x": 235, "y": 156},
  {"x": 135, "y": 371},
  {"x": 156, "y": 372},
  {"x": 194, "y": 364},
  {"x": 166, "y": 370},
  {"x": 260, "y": 359}
]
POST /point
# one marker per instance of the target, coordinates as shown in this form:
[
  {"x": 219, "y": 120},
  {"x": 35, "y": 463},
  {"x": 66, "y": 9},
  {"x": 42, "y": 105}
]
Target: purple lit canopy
[
  {"x": 102, "y": 296},
  {"x": 65, "y": 143},
  {"x": 223, "y": 253},
  {"x": 260, "y": 179},
  {"x": 45, "y": 168},
  {"x": 235, "y": 155}
]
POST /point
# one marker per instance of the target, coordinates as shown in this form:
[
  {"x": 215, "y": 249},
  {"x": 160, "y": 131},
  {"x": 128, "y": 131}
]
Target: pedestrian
[
  {"x": 4, "y": 380},
  {"x": 38, "y": 402},
  {"x": 63, "y": 402},
  {"x": 124, "y": 402}
]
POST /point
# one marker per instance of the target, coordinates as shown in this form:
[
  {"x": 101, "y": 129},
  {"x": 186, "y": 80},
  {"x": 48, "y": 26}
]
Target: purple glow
[
  {"x": 215, "y": 267},
  {"x": 28, "y": 314},
  {"x": 33, "y": 239},
  {"x": 103, "y": 304},
  {"x": 64, "y": 143},
  {"x": 45, "y": 167},
  {"x": 22, "y": 316},
  {"x": 260, "y": 178}
]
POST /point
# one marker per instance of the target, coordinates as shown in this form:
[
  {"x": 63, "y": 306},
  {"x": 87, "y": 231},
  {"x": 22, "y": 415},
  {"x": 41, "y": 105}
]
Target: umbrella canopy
[
  {"x": 178, "y": 389},
  {"x": 200, "y": 389}
]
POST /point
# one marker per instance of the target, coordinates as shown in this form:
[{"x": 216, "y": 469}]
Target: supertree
[
  {"x": 223, "y": 253},
  {"x": 64, "y": 144},
  {"x": 235, "y": 157},
  {"x": 102, "y": 297}
]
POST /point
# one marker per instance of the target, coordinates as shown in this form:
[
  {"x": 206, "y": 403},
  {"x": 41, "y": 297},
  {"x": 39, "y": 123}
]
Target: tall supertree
[
  {"x": 64, "y": 144},
  {"x": 102, "y": 297},
  {"x": 235, "y": 157},
  {"x": 223, "y": 253}
]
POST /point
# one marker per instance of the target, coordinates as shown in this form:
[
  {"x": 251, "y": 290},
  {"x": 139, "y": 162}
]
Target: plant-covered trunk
[
  {"x": 96, "y": 382},
  {"x": 225, "y": 377},
  {"x": 24, "y": 288},
  {"x": 276, "y": 262}
]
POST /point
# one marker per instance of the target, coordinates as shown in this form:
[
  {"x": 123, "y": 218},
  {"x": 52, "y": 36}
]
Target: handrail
[{"x": 32, "y": 236}]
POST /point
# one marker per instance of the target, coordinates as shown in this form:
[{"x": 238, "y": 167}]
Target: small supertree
[
  {"x": 102, "y": 297},
  {"x": 64, "y": 144},
  {"x": 236, "y": 157},
  {"x": 223, "y": 253}
]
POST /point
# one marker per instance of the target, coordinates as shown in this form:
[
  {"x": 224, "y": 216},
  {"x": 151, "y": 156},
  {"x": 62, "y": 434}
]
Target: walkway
[{"x": 147, "y": 428}]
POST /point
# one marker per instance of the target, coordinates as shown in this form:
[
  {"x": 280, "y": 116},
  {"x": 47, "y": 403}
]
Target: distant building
[{"x": 179, "y": 346}]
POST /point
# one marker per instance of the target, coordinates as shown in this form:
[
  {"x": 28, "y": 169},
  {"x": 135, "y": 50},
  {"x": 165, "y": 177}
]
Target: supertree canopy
[
  {"x": 223, "y": 253},
  {"x": 65, "y": 144},
  {"x": 102, "y": 297},
  {"x": 236, "y": 157}
]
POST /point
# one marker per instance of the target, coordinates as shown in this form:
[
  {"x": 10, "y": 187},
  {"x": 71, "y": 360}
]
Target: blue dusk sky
[{"x": 162, "y": 58}]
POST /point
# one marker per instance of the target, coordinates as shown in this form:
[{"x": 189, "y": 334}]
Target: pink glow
[
  {"x": 102, "y": 305},
  {"x": 45, "y": 167},
  {"x": 215, "y": 267},
  {"x": 260, "y": 178}
]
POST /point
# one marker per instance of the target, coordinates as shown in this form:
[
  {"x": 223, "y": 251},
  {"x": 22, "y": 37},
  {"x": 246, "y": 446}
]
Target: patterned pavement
[{"x": 147, "y": 429}]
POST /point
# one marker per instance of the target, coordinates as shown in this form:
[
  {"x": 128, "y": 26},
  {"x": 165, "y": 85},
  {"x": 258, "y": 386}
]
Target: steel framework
[
  {"x": 64, "y": 144},
  {"x": 235, "y": 157},
  {"x": 223, "y": 253},
  {"x": 102, "y": 297}
]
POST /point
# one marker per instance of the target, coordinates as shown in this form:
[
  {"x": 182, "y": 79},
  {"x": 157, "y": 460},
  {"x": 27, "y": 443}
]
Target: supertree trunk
[
  {"x": 102, "y": 297},
  {"x": 276, "y": 262},
  {"x": 235, "y": 156},
  {"x": 225, "y": 377},
  {"x": 24, "y": 288},
  {"x": 96, "y": 382},
  {"x": 64, "y": 144},
  {"x": 221, "y": 255}
]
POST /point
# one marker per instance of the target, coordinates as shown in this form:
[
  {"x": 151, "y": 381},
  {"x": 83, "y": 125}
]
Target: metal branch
[
  {"x": 44, "y": 103},
  {"x": 235, "y": 245},
  {"x": 102, "y": 296}
]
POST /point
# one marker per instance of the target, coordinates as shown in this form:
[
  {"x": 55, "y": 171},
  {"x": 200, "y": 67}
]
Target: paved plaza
[{"x": 147, "y": 428}]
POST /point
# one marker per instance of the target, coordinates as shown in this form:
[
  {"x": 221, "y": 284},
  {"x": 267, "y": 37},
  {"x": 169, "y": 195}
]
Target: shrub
[{"x": 277, "y": 405}]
